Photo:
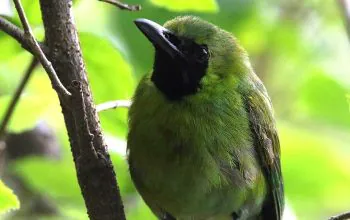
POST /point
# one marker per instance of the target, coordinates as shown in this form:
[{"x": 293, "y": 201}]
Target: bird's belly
[
  {"x": 188, "y": 186},
  {"x": 182, "y": 193},
  {"x": 182, "y": 161}
]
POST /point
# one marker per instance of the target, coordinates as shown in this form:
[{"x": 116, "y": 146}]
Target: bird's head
[{"x": 192, "y": 55}]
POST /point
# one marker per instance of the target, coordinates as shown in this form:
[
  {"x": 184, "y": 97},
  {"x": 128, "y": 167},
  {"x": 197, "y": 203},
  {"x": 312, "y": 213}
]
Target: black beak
[{"x": 158, "y": 35}]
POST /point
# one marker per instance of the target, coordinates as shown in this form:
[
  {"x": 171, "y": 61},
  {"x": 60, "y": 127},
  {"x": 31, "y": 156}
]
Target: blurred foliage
[
  {"x": 8, "y": 200},
  {"x": 298, "y": 48},
  {"x": 184, "y": 5},
  {"x": 314, "y": 172},
  {"x": 105, "y": 83}
]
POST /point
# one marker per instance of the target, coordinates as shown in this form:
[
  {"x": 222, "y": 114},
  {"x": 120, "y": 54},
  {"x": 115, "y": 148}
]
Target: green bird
[{"x": 202, "y": 141}]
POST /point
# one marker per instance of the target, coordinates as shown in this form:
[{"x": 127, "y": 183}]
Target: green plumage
[{"x": 212, "y": 153}]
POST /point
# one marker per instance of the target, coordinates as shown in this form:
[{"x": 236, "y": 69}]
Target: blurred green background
[{"x": 298, "y": 48}]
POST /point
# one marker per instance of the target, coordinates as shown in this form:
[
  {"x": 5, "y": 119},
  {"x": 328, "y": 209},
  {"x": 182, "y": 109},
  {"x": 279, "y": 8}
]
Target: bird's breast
[{"x": 183, "y": 155}]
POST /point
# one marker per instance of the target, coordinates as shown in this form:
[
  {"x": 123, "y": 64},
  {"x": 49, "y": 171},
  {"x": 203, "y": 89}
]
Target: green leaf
[
  {"x": 49, "y": 176},
  {"x": 27, "y": 113},
  {"x": 8, "y": 200},
  {"x": 72, "y": 212},
  {"x": 185, "y": 5},
  {"x": 9, "y": 47},
  {"x": 140, "y": 211},
  {"x": 10, "y": 72},
  {"x": 324, "y": 98},
  {"x": 314, "y": 171},
  {"x": 94, "y": 24},
  {"x": 110, "y": 77},
  {"x": 124, "y": 179},
  {"x": 32, "y": 10},
  {"x": 39, "y": 101}
]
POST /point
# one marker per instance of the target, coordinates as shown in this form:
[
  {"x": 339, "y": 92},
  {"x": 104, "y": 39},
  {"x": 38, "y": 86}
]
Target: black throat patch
[{"x": 177, "y": 77}]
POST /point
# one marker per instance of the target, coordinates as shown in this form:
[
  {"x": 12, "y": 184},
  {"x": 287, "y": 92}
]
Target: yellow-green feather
[
  {"x": 195, "y": 158},
  {"x": 176, "y": 149}
]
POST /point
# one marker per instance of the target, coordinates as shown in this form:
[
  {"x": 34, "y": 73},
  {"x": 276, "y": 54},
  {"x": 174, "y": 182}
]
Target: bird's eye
[
  {"x": 202, "y": 54},
  {"x": 166, "y": 35},
  {"x": 172, "y": 38}
]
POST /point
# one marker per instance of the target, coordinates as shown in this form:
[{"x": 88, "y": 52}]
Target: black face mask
[{"x": 180, "y": 75}]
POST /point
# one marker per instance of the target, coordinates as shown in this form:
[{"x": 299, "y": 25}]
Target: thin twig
[
  {"x": 39, "y": 54},
  {"x": 123, "y": 6},
  {"x": 13, "y": 31},
  {"x": 345, "y": 8},
  {"x": 22, "y": 17},
  {"x": 342, "y": 216},
  {"x": 18, "y": 35},
  {"x": 113, "y": 105},
  {"x": 11, "y": 108}
]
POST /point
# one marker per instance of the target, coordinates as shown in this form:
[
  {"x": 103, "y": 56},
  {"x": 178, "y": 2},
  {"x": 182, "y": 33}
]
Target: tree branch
[
  {"x": 342, "y": 216},
  {"x": 18, "y": 35},
  {"x": 95, "y": 172},
  {"x": 22, "y": 17},
  {"x": 123, "y": 6},
  {"x": 113, "y": 105},
  {"x": 86, "y": 138},
  {"x": 39, "y": 54},
  {"x": 16, "y": 96}
]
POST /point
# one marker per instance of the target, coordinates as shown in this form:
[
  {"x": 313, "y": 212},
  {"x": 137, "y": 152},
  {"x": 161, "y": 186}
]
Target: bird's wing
[{"x": 267, "y": 146}]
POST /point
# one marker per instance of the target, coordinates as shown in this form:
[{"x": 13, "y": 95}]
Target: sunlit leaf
[
  {"x": 12, "y": 51},
  {"x": 72, "y": 212},
  {"x": 36, "y": 103},
  {"x": 27, "y": 112},
  {"x": 314, "y": 171},
  {"x": 110, "y": 78},
  {"x": 48, "y": 176},
  {"x": 10, "y": 72},
  {"x": 94, "y": 24},
  {"x": 185, "y": 5},
  {"x": 32, "y": 10},
  {"x": 252, "y": 34},
  {"x": 8, "y": 200},
  {"x": 140, "y": 211},
  {"x": 40, "y": 87},
  {"x": 11, "y": 54},
  {"x": 325, "y": 99},
  {"x": 123, "y": 175}
]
